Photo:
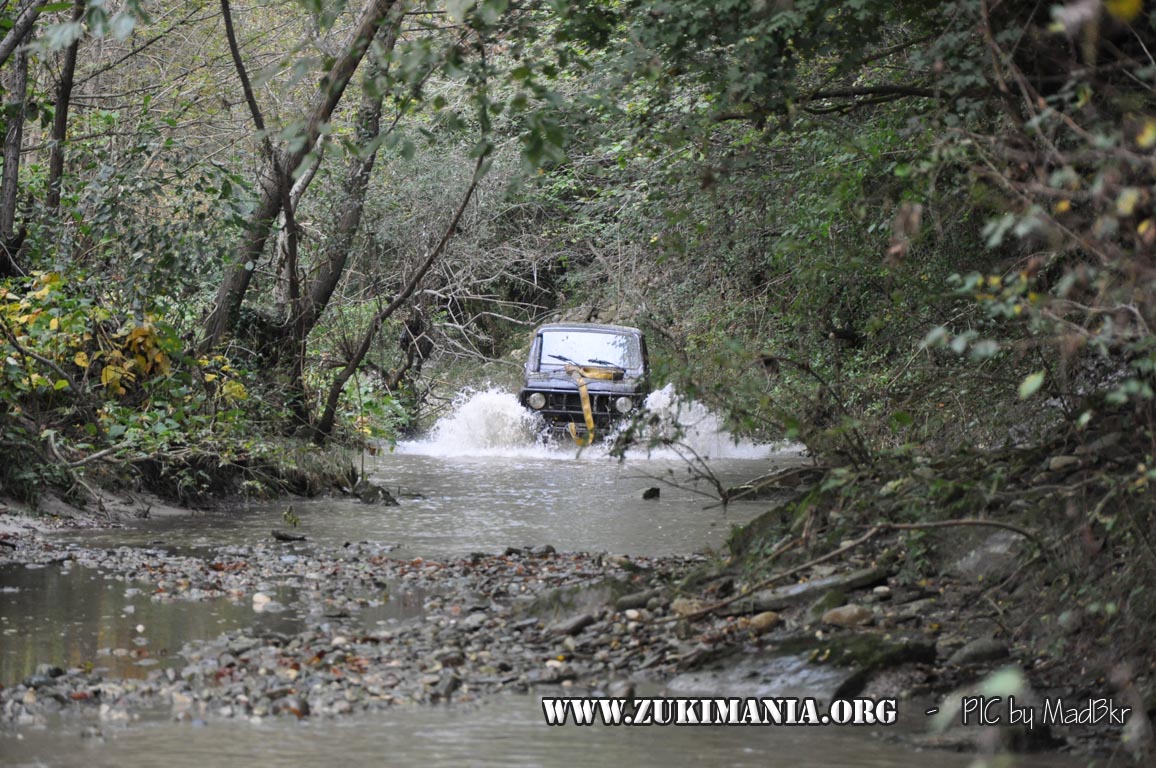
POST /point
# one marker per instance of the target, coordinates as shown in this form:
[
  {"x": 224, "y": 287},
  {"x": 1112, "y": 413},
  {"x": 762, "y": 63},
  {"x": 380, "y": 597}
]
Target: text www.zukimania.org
[{"x": 728, "y": 711}]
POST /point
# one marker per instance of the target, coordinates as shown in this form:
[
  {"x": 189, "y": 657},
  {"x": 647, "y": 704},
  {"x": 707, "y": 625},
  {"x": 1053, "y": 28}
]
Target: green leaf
[
  {"x": 1031, "y": 385},
  {"x": 60, "y": 36},
  {"x": 457, "y": 9},
  {"x": 122, "y": 25}
]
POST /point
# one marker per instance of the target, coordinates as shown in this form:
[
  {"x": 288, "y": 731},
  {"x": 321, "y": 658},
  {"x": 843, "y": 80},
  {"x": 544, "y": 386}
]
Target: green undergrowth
[{"x": 92, "y": 395}]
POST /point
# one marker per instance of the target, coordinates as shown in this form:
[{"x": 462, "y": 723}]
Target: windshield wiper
[
  {"x": 607, "y": 363},
  {"x": 563, "y": 359}
]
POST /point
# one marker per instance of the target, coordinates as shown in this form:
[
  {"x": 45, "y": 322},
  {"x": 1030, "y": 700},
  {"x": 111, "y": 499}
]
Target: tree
[{"x": 281, "y": 163}]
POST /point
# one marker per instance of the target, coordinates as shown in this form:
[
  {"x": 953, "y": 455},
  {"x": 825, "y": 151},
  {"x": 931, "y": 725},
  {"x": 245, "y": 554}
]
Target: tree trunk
[
  {"x": 235, "y": 283},
  {"x": 16, "y": 85},
  {"x": 281, "y": 289},
  {"x": 20, "y": 29},
  {"x": 60, "y": 116},
  {"x": 357, "y": 173}
]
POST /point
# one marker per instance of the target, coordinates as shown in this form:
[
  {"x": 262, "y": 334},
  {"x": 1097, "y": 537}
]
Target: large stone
[
  {"x": 848, "y": 616},
  {"x": 372, "y": 493},
  {"x": 996, "y": 556},
  {"x": 636, "y": 599},
  {"x": 573, "y": 625},
  {"x": 1061, "y": 463},
  {"x": 763, "y": 622},
  {"x": 979, "y": 651}
]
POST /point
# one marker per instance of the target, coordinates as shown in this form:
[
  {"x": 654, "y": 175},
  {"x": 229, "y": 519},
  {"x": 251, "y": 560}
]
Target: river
[{"x": 480, "y": 482}]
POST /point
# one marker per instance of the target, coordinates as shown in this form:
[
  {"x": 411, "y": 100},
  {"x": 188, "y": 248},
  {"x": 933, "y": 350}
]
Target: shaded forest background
[
  {"x": 876, "y": 228},
  {"x": 917, "y": 237}
]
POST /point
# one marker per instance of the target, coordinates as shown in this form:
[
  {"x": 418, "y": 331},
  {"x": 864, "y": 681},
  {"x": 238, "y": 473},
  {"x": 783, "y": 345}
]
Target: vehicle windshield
[{"x": 616, "y": 350}]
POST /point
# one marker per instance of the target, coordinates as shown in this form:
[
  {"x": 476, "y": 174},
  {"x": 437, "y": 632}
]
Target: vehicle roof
[{"x": 597, "y": 327}]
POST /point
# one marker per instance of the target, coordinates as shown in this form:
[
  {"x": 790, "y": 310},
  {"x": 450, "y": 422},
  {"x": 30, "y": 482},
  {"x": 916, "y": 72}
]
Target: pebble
[{"x": 472, "y": 631}]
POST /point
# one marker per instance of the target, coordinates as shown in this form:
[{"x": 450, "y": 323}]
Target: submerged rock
[{"x": 372, "y": 493}]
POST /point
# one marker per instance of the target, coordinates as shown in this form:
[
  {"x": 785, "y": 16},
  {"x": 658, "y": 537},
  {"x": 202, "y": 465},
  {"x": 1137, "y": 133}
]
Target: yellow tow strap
[{"x": 580, "y": 375}]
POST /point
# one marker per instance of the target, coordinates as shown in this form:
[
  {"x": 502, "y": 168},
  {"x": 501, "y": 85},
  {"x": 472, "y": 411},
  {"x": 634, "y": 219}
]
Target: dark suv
[{"x": 582, "y": 377}]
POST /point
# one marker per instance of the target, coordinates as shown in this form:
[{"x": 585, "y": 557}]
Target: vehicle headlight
[
  {"x": 623, "y": 404},
  {"x": 537, "y": 401}
]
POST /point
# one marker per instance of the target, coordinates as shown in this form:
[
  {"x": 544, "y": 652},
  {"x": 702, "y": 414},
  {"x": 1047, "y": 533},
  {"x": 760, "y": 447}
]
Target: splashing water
[
  {"x": 491, "y": 422},
  {"x": 486, "y": 422},
  {"x": 698, "y": 428}
]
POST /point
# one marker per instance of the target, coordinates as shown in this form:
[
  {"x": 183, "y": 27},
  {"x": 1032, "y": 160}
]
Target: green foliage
[{"x": 79, "y": 378}]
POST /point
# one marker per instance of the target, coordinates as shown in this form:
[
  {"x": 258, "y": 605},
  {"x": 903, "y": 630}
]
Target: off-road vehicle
[{"x": 584, "y": 377}]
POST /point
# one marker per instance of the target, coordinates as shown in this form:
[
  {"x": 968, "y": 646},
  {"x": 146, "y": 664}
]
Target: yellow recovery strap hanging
[{"x": 580, "y": 376}]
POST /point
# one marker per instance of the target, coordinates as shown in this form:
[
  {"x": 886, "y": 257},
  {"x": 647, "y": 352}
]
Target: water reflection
[
  {"x": 508, "y": 731},
  {"x": 76, "y": 618}
]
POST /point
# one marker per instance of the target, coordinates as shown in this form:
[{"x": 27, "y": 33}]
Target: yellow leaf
[
  {"x": 53, "y": 324},
  {"x": 234, "y": 390},
  {"x": 1146, "y": 138},
  {"x": 1124, "y": 10},
  {"x": 1126, "y": 201},
  {"x": 81, "y": 359},
  {"x": 1063, "y": 206},
  {"x": 210, "y": 377},
  {"x": 1144, "y": 227},
  {"x": 110, "y": 374}
]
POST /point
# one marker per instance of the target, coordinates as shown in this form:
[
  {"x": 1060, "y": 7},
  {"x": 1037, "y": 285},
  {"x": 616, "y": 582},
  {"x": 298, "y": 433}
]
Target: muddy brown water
[{"x": 479, "y": 483}]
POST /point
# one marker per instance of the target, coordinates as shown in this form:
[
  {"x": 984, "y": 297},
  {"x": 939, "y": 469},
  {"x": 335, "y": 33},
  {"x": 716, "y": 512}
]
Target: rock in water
[
  {"x": 371, "y": 493},
  {"x": 651, "y": 493}
]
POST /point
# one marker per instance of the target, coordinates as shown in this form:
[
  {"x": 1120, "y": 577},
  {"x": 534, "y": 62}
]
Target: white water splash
[
  {"x": 697, "y": 428},
  {"x": 492, "y": 423},
  {"x": 487, "y": 422}
]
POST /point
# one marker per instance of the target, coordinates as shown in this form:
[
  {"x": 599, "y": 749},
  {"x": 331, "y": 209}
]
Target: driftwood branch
[{"x": 871, "y": 533}]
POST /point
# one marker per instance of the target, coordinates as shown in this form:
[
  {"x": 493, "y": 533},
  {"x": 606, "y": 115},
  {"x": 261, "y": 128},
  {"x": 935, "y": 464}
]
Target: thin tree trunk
[
  {"x": 357, "y": 173},
  {"x": 60, "y": 116},
  {"x": 20, "y": 29},
  {"x": 16, "y": 84},
  {"x": 329, "y": 416},
  {"x": 235, "y": 283},
  {"x": 282, "y": 287}
]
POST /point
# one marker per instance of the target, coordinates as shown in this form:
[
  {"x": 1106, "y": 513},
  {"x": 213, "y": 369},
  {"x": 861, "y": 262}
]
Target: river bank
[{"x": 526, "y": 620}]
